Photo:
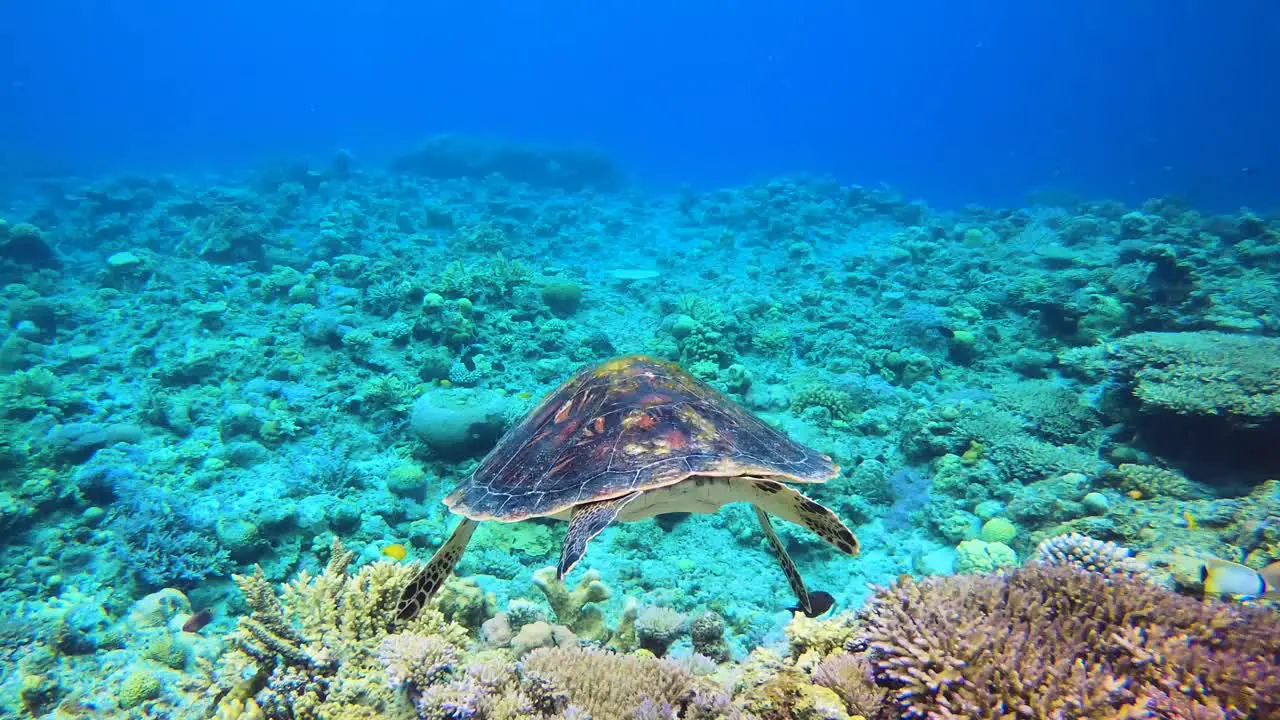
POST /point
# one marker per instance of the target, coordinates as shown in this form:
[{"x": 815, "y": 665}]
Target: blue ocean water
[
  {"x": 953, "y": 103},
  {"x": 288, "y": 289}
]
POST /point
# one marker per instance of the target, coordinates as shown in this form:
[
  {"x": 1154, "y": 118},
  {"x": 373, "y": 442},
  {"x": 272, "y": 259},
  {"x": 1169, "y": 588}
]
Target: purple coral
[
  {"x": 416, "y": 662},
  {"x": 1060, "y": 641}
]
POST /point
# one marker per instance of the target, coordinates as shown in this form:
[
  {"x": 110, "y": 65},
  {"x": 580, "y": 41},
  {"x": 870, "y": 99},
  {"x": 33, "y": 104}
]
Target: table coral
[{"x": 1202, "y": 373}]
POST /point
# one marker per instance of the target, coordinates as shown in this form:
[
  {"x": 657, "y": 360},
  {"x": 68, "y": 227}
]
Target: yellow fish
[
  {"x": 1222, "y": 577},
  {"x": 1191, "y": 520},
  {"x": 396, "y": 552}
]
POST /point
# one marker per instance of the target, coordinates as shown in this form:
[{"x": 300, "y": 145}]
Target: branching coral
[
  {"x": 313, "y": 649},
  {"x": 849, "y": 676},
  {"x": 607, "y": 685},
  {"x": 1057, "y": 642},
  {"x": 575, "y": 608}
]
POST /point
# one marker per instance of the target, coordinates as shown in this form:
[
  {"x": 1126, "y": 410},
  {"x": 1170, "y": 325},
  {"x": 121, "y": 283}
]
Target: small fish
[
  {"x": 819, "y": 600},
  {"x": 1191, "y": 520},
  {"x": 197, "y": 621},
  {"x": 395, "y": 551},
  {"x": 1222, "y": 577}
]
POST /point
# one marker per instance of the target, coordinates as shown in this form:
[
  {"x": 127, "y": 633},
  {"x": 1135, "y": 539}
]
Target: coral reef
[
  {"x": 1060, "y": 641},
  {"x": 203, "y": 378},
  {"x": 314, "y": 649}
]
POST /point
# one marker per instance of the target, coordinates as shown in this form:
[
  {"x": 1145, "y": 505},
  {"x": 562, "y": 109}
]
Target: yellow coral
[
  {"x": 790, "y": 695},
  {"x": 236, "y": 709},
  {"x": 323, "y": 631},
  {"x": 570, "y": 606},
  {"x": 819, "y": 636},
  {"x": 612, "y": 686},
  {"x": 1154, "y": 482}
]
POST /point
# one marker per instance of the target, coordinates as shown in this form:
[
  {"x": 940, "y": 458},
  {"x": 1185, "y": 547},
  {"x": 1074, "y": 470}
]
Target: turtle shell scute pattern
[{"x": 629, "y": 424}]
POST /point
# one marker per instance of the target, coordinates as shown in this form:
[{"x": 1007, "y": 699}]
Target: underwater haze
[
  {"x": 649, "y": 361},
  {"x": 957, "y": 103}
]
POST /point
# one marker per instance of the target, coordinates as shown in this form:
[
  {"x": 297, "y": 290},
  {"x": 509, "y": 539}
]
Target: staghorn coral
[
  {"x": 416, "y": 662},
  {"x": 313, "y": 649},
  {"x": 1059, "y": 642},
  {"x": 849, "y": 676},
  {"x": 1086, "y": 553},
  {"x": 609, "y": 686}
]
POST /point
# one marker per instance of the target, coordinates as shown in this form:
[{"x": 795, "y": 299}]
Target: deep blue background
[{"x": 951, "y": 101}]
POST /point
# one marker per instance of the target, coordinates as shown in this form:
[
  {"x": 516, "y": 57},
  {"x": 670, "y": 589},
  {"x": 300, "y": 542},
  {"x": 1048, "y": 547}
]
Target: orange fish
[{"x": 395, "y": 551}]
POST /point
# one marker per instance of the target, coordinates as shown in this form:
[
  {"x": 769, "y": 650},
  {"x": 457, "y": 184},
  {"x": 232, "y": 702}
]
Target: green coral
[
  {"x": 138, "y": 688},
  {"x": 167, "y": 650},
  {"x": 998, "y": 530},
  {"x": 839, "y": 403},
  {"x": 978, "y": 556},
  {"x": 562, "y": 296}
]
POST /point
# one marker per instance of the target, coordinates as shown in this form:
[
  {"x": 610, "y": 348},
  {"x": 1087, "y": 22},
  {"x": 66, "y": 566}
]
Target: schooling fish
[
  {"x": 1221, "y": 577},
  {"x": 820, "y": 601}
]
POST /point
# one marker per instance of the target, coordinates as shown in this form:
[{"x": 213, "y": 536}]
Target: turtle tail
[{"x": 428, "y": 579}]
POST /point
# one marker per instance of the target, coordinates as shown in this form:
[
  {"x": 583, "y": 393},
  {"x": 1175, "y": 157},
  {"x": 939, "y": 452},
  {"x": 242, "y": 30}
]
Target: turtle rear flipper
[
  {"x": 790, "y": 504},
  {"x": 788, "y": 566},
  {"x": 587, "y": 522},
  {"x": 431, "y": 576}
]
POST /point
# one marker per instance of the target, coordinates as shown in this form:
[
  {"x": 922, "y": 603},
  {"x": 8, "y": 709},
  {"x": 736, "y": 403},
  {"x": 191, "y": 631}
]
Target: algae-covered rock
[
  {"x": 460, "y": 422},
  {"x": 138, "y": 688}
]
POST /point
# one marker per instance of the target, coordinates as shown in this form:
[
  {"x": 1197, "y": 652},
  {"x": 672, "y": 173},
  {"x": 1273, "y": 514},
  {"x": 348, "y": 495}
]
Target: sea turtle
[{"x": 625, "y": 440}]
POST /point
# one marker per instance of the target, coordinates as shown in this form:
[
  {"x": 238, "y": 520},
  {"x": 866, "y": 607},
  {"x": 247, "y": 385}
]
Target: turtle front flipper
[
  {"x": 790, "y": 504},
  {"x": 431, "y": 576},
  {"x": 788, "y": 566},
  {"x": 587, "y": 522}
]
